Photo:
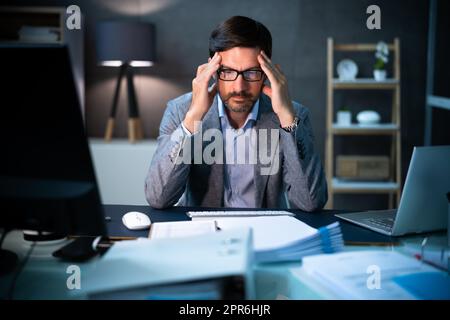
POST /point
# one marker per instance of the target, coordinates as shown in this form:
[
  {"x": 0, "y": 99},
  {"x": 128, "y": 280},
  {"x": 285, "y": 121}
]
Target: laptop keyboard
[{"x": 381, "y": 223}]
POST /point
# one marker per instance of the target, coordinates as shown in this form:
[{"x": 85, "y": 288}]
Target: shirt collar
[{"x": 251, "y": 116}]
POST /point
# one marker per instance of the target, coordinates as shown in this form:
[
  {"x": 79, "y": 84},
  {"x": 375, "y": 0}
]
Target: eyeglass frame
[{"x": 240, "y": 73}]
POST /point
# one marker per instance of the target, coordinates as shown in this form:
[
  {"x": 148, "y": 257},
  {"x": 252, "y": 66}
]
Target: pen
[{"x": 422, "y": 248}]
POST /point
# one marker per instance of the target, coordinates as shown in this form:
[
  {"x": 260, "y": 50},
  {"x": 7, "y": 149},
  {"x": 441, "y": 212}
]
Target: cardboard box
[{"x": 363, "y": 167}]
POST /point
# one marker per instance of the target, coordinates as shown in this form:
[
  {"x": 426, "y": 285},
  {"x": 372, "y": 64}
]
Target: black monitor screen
[{"x": 48, "y": 180}]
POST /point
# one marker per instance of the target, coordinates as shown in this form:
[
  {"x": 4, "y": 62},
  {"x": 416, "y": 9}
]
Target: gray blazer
[{"x": 298, "y": 183}]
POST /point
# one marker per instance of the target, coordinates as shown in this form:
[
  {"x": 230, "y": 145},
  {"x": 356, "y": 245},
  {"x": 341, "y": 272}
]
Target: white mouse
[{"x": 135, "y": 220}]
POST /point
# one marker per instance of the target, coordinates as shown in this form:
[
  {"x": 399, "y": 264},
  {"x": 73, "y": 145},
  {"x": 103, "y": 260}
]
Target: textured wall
[{"x": 299, "y": 29}]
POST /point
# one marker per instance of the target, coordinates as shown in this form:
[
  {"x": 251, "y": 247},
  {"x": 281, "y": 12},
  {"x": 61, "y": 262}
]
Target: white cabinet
[{"x": 121, "y": 169}]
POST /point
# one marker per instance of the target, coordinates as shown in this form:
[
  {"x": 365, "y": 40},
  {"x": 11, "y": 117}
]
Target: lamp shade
[{"x": 121, "y": 42}]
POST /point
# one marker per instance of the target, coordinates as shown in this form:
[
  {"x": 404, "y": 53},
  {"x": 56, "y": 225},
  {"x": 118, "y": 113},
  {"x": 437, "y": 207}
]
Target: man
[{"x": 241, "y": 107}]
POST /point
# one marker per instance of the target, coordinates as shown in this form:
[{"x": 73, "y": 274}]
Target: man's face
[{"x": 240, "y": 95}]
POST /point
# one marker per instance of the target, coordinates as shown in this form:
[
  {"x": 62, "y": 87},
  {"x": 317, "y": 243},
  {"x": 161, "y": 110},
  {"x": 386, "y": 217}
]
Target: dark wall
[{"x": 299, "y": 28}]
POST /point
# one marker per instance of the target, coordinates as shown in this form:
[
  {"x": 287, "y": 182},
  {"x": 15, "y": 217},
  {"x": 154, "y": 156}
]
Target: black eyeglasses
[{"x": 251, "y": 75}]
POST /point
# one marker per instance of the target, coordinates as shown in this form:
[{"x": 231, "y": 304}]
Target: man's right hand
[{"x": 202, "y": 96}]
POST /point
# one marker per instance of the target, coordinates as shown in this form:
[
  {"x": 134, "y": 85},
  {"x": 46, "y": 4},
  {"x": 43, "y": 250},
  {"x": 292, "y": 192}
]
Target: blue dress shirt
[{"x": 239, "y": 158}]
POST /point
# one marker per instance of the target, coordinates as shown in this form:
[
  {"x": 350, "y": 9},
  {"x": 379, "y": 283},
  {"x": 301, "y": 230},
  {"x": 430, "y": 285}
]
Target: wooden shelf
[
  {"x": 365, "y": 83},
  {"x": 345, "y": 186},
  {"x": 17, "y": 43},
  {"x": 358, "y": 129},
  {"x": 391, "y": 128},
  {"x": 359, "y": 47}
]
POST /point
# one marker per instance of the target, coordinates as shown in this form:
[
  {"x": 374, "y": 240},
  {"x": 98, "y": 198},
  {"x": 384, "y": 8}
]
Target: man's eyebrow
[{"x": 255, "y": 67}]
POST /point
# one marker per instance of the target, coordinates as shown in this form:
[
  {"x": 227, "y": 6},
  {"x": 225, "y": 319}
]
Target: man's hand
[
  {"x": 202, "y": 96},
  {"x": 278, "y": 91}
]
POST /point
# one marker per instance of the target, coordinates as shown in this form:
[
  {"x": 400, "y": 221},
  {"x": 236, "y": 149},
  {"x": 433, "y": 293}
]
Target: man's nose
[{"x": 240, "y": 84}]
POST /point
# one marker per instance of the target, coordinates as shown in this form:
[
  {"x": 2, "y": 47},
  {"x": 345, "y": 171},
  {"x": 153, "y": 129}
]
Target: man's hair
[{"x": 239, "y": 31}]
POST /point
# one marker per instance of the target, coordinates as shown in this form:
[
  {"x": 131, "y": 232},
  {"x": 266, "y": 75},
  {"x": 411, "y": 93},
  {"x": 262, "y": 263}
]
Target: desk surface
[
  {"x": 272, "y": 281},
  {"x": 352, "y": 234}
]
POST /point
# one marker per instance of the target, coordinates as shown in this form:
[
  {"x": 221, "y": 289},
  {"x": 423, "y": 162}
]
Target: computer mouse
[{"x": 135, "y": 220}]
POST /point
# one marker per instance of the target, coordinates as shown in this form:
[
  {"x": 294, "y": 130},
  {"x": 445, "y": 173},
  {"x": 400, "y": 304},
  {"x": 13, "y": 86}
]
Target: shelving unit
[
  {"x": 336, "y": 185},
  {"x": 13, "y": 18}
]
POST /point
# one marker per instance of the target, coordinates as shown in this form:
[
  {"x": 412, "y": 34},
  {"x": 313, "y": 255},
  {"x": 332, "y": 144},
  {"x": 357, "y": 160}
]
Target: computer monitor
[{"x": 47, "y": 180}]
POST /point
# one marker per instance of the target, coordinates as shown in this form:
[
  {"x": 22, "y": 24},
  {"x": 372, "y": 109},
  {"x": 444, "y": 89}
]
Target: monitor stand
[
  {"x": 8, "y": 261},
  {"x": 36, "y": 236},
  {"x": 81, "y": 249}
]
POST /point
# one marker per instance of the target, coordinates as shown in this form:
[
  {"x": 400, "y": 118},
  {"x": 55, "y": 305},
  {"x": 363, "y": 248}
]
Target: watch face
[{"x": 347, "y": 69}]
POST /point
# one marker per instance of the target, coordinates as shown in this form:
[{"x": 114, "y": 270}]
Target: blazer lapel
[
  {"x": 214, "y": 171},
  {"x": 266, "y": 120}
]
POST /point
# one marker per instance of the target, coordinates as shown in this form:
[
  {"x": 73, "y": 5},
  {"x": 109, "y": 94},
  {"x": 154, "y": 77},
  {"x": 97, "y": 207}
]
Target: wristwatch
[{"x": 293, "y": 126}]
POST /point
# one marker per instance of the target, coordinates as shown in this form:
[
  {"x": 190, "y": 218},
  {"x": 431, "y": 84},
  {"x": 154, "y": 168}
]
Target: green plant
[
  {"x": 379, "y": 65},
  {"x": 381, "y": 55},
  {"x": 344, "y": 108}
]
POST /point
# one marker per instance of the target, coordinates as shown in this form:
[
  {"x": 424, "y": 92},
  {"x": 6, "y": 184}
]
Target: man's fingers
[
  {"x": 279, "y": 68},
  {"x": 212, "y": 67},
  {"x": 276, "y": 69},
  {"x": 212, "y": 90},
  {"x": 200, "y": 68},
  {"x": 267, "y": 91},
  {"x": 267, "y": 70},
  {"x": 207, "y": 70}
]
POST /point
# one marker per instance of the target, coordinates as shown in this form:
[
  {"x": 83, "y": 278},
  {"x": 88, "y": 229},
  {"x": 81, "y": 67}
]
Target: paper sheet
[
  {"x": 181, "y": 229},
  {"x": 270, "y": 232},
  {"x": 350, "y": 275}
]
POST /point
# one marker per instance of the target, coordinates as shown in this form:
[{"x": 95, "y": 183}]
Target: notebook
[{"x": 275, "y": 238}]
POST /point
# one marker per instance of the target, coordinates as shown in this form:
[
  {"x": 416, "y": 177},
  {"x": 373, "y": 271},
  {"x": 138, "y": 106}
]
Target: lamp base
[
  {"x": 135, "y": 131},
  {"x": 109, "y": 129}
]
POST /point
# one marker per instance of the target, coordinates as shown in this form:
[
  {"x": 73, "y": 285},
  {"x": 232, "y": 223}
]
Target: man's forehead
[{"x": 240, "y": 58}]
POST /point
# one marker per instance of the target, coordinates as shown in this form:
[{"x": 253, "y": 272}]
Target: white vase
[
  {"x": 379, "y": 75},
  {"x": 344, "y": 118}
]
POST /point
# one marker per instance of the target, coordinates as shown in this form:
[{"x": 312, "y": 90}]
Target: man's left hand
[{"x": 278, "y": 91}]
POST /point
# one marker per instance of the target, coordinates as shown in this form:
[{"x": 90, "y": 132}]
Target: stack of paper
[
  {"x": 327, "y": 239},
  {"x": 275, "y": 238},
  {"x": 284, "y": 238},
  {"x": 38, "y": 34},
  {"x": 364, "y": 274}
]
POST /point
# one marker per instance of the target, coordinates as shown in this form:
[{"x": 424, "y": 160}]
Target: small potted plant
[
  {"x": 382, "y": 57},
  {"x": 344, "y": 116}
]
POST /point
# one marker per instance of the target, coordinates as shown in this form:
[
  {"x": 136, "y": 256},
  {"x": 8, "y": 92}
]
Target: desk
[
  {"x": 352, "y": 233},
  {"x": 45, "y": 278}
]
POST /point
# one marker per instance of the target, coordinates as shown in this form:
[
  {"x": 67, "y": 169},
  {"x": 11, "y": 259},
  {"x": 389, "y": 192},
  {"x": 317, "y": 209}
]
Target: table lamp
[{"x": 125, "y": 44}]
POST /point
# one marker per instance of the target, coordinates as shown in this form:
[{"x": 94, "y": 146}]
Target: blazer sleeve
[
  {"x": 303, "y": 176},
  {"x": 169, "y": 171}
]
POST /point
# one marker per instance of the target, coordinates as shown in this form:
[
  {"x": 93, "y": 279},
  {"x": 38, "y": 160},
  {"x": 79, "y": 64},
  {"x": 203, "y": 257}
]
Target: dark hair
[{"x": 239, "y": 31}]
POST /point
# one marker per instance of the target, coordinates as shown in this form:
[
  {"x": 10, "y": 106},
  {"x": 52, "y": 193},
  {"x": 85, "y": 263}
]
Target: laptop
[{"x": 423, "y": 205}]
